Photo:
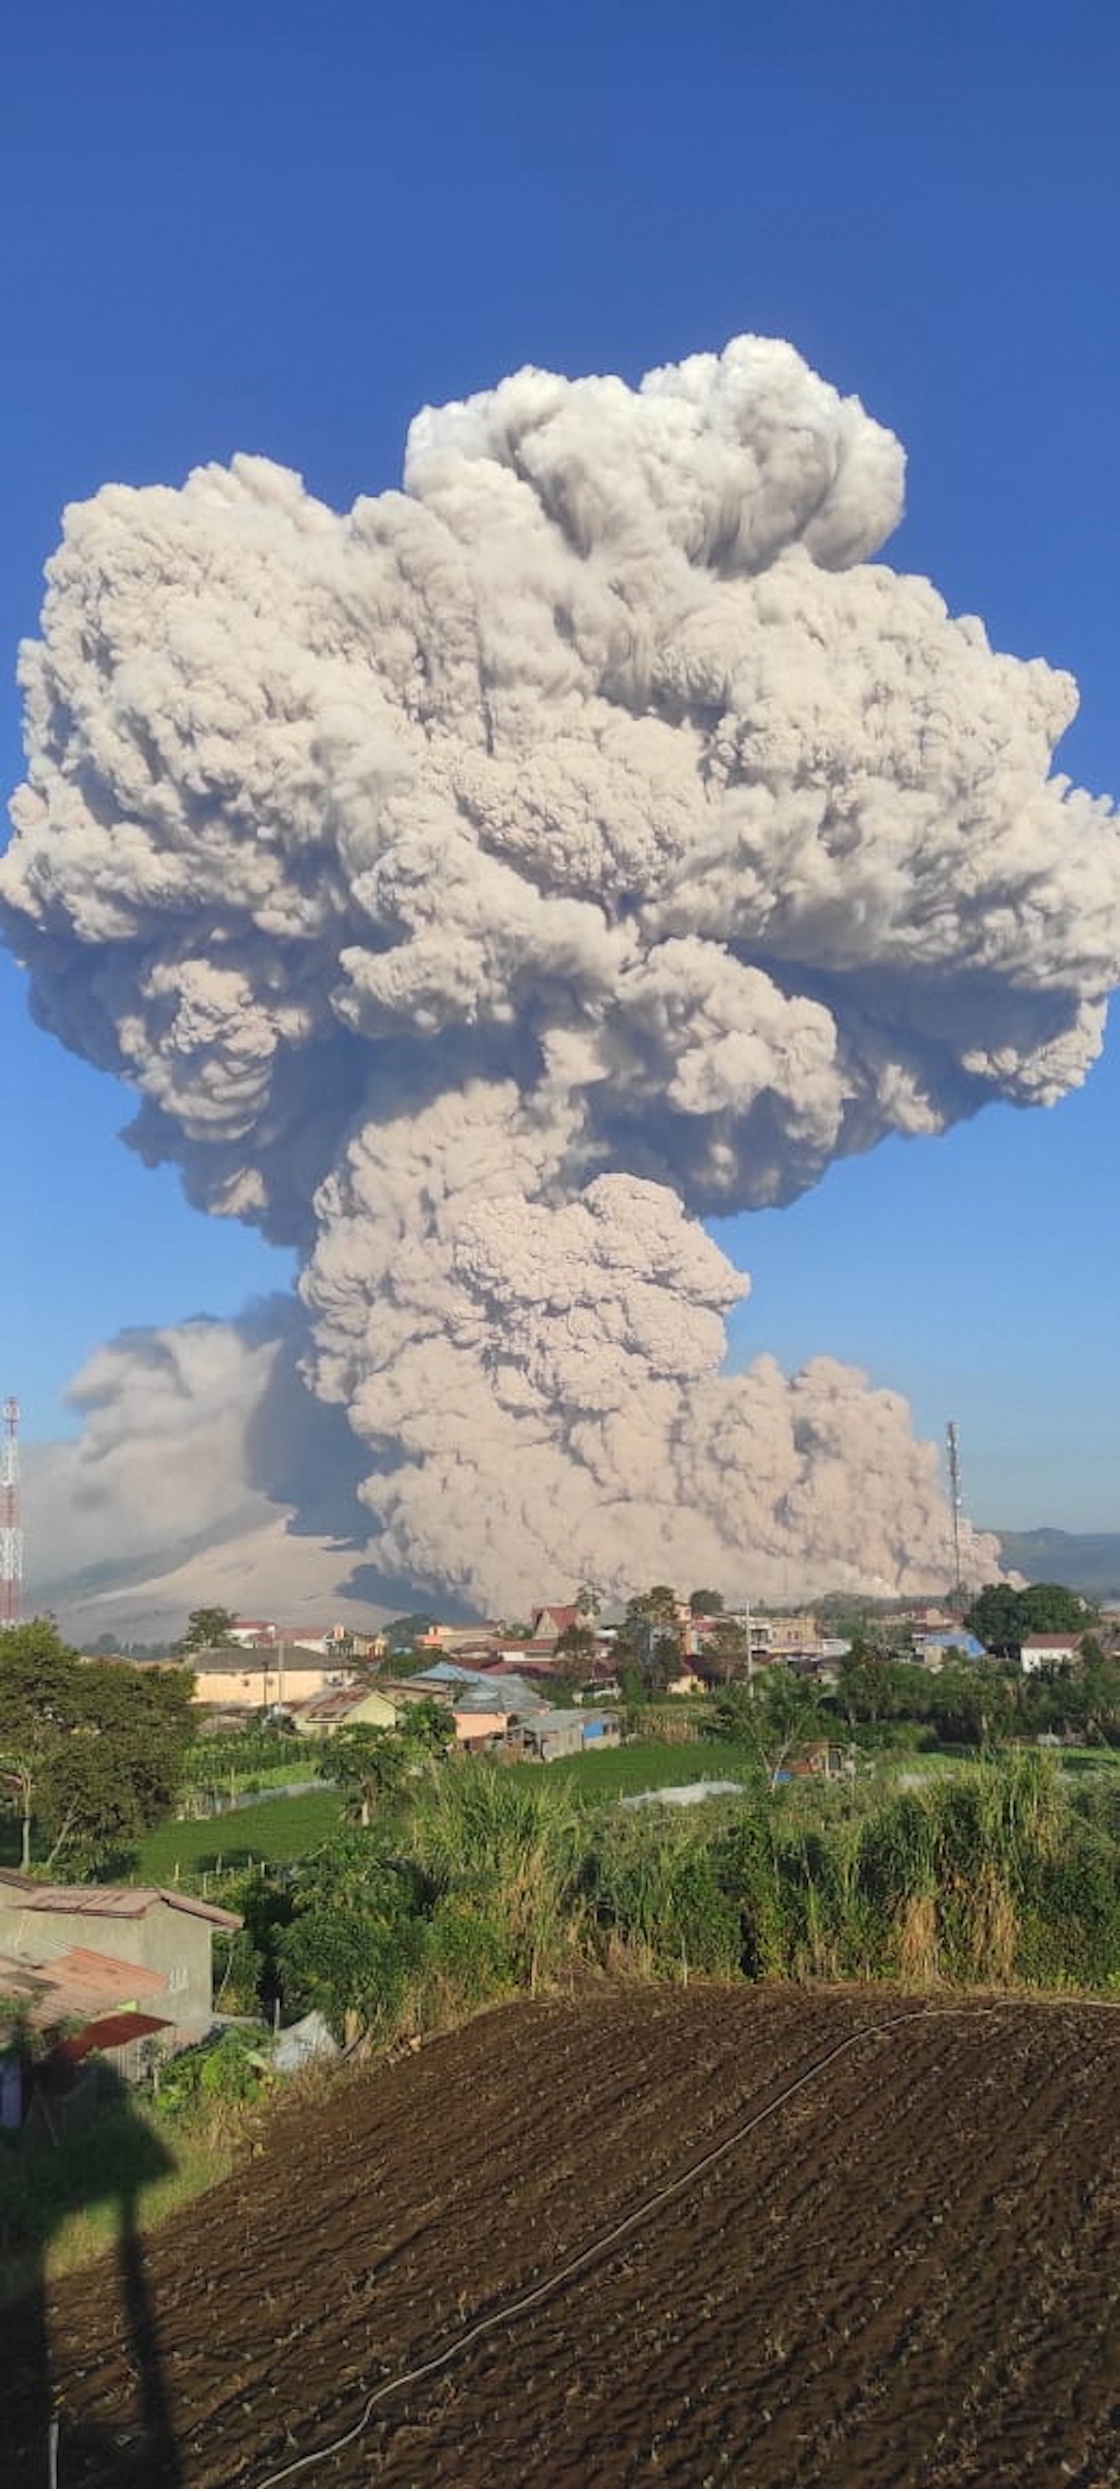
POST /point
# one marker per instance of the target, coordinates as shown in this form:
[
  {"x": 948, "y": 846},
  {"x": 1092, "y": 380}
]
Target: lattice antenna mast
[
  {"x": 955, "y": 1505},
  {"x": 11, "y": 1532}
]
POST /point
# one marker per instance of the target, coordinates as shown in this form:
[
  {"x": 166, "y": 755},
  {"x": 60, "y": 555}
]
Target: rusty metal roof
[
  {"x": 111, "y": 2031},
  {"x": 105, "y": 1901},
  {"x": 76, "y": 1984}
]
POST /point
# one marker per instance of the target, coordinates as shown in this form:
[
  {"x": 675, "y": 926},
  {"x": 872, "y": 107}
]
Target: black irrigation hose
[{"x": 607, "y": 2239}]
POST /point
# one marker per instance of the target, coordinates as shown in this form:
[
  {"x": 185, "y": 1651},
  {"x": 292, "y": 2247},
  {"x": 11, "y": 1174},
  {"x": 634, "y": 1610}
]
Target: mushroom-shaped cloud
[{"x": 482, "y": 887}]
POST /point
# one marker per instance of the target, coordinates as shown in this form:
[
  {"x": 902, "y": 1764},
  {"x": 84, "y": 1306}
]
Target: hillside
[
  {"x": 900, "y": 2271},
  {"x": 1079, "y": 1558},
  {"x": 265, "y": 1571}
]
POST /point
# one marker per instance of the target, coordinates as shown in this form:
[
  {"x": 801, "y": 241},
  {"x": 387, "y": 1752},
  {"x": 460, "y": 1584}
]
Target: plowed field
[{"x": 906, "y": 2271}]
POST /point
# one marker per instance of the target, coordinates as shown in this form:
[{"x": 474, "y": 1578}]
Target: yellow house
[
  {"x": 345, "y": 1706},
  {"x": 252, "y": 1680}
]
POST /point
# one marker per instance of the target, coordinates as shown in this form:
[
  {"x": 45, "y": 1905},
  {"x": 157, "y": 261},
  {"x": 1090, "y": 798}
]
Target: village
[
  {"x": 121, "y": 1972},
  {"x": 558, "y": 1670}
]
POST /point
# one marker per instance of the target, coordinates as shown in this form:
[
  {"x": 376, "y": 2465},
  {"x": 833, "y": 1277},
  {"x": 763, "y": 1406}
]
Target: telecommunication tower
[
  {"x": 11, "y": 1533},
  {"x": 955, "y": 1506}
]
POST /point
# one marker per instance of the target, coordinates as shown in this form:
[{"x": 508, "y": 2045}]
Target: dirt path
[{"x": 905, "y": 2274}]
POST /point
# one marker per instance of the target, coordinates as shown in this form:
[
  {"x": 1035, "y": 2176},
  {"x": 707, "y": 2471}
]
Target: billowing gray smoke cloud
[
  {"x": 479, "y": 886},
  {"x": 198, "y": 1442}
]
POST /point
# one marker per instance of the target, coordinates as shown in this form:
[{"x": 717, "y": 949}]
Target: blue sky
[{"x": 282, "y": 229}]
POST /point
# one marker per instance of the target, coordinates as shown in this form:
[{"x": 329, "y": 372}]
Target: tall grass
[
  {"x": 503, "y": 1851},
  {"x": 946, "y": 1873}
]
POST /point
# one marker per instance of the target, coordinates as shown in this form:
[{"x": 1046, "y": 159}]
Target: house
[
  {"x": 788, "y": 1637},
  {"x": 255, "y": 1679},
  {"x": 1049, "y": 1650},
  {"x": 78, "y": 2007},
  {"x": 938, "y": 1650},
  {"x": 337, "y": 1642},
  {"x": 820, "y": 1761},
  {"x": 494, "y": 1711},
  {"x": 100, "y": 2003},
  {"x": 138, "y": 1928},
  {"x": 481, "y": 1703},
  {"x": 346, "y": 1706},
  {"x": 548, "y": 1735},
  {"x": 451, "y": 1640},
  {"x": 550, "y": 1622}
]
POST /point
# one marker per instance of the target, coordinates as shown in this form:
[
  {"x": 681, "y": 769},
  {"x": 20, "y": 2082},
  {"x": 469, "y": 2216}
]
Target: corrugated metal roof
[
  {"x": 76, "y": 1985},
  {"x": 110, "y": 2031},
  {"x": 95, "y": 1901},
  {"x": 105, "y": 1901}
]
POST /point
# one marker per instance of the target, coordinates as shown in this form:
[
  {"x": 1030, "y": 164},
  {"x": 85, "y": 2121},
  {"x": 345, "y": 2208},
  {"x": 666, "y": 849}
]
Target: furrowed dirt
[{"x": 905, "y": 2273}]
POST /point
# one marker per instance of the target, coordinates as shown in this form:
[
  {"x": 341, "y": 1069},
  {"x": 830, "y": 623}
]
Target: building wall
[
  {"x": 164, "y": 1939},
  {"x": 248, "y": 1688},
  {"x": 375, "y": 1710},
  {"x": 789, "y": 1633},
  {"x": 472, "y": 1725},
  {"x": 1048, "y": 1654}
]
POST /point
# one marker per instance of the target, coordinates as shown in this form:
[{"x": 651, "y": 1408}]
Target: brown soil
[{"x": 906, "y": 2273}]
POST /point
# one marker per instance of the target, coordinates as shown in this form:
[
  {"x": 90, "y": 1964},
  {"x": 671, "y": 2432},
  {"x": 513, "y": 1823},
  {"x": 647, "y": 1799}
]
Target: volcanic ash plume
[{"x": 481, "y": 887}]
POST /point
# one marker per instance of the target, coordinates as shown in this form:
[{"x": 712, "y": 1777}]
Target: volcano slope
[{"x": 901, "y": 2269}]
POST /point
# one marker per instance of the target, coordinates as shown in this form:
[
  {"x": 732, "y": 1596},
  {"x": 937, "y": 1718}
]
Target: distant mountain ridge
[
  {"x": 1084, "y": 1560},
  {"x": 269, "y": 1570}
]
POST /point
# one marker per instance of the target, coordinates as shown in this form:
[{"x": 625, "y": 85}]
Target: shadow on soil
[{"x": 80, "y": 2150}]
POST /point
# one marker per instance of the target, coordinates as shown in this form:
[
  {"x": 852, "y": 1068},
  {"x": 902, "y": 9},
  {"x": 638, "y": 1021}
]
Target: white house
[{"x": 1048, "y": 1650}]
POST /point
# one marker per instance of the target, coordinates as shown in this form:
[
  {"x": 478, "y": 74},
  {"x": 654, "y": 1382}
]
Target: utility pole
[
  {"x": 11, "y": 1532},
  {"x": 955, "y": 1508}
]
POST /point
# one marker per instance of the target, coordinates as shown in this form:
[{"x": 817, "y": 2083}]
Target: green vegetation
[
  {"x": 208, "y": 1629},
  {"x": 372, "y": 1766},
  {"x": 493, "y": 1882},
  {"x": 114, "y": 2160},
  {"x": 646, "y": 1763},
  {"x": 279, "y": 1830},
  {"x": 1001, "y": 1618},
  {"x": 259, "y": 1752},
  {"x": 91, "y": 1754}
]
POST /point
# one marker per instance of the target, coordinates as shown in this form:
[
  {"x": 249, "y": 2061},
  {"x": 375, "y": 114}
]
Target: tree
[
  {"x": 588, "y": 1602},
  {"x": 93, "y": 1751},
  {"x": 357, "y": 1935},
  {"x": 428, "y": 1727},
  {"x": 774, "y": 1716},
  {"x": 133, "y": 1732},
  {"x": 873, "y": 1685},
  {"x": 208, "y": 1629},
  {"x": 575, "y": 1650},
  {"x": 727, "y": 1651},
  {"x": 370, "y": 1766},
  {"x": 971, "y": 1706},
  {"x": 705, "y": 1603},
  {"x": 404, "y": 1633},
  {"x": 651, "y": 1635},
  {"x": 1096, "y": 1690},
  {"x": 1001, "y": 1617},
  {"x": 1048, "y": 1607},
  {"x": 37, "y": 1703}
]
